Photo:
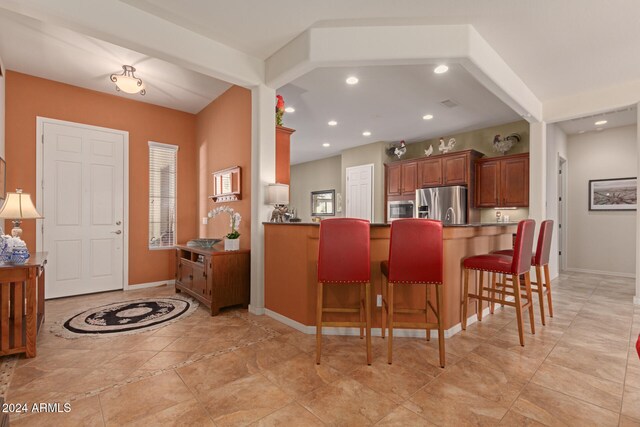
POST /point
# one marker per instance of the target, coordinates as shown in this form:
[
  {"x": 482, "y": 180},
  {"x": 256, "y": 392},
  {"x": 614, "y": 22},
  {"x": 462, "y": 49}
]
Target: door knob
[
  {"x": 118, "y": 222},
  {"x": 117, "y": 232}
]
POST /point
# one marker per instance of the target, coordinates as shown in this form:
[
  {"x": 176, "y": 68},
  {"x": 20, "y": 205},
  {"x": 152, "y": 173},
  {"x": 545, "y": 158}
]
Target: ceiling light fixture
[
  {"x": 352, "y": 80},
  {"x": 440, "y": 69},
  {"x": 128, "y": 82},
  {"x": 290, "y": 110},
  {"x": 600, "y": 122},
  {"x": 366, "y": 133},
  {"x": 427, "y": 117},
  {"x": 332, "y": 123},
  {"x": 326, "y": 144}
]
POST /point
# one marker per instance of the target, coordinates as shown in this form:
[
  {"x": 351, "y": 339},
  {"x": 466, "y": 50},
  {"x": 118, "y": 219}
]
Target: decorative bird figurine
[
  {"x": 505, "y": 144},
  {"x": 446, "y": 148},
  {"x": 401, "y": 150},
  {"x": 429, "y": 151}
]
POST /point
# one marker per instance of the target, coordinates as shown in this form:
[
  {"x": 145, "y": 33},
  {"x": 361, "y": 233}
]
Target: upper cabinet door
[
  {"x": 487, "y": 183},
  {"x": 393, "y": 180},
  {"x": 455, "y": 170},
  {"x": 430, "y": 173},
  {"x": 409, "y": 177},
  {"x": 515, "y": 182}
]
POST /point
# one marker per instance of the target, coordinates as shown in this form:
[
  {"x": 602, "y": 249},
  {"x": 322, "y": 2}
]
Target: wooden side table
[{"x": 21, "y": 305}]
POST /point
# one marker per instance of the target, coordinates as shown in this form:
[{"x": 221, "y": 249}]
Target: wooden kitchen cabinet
[
  {"x": 503, "y": 181},
  {"x": 394, "y": 172},
  {"x": 430, "y": 172},
  {"x": 454, "y": 169},
  {"x": 213, "y": 277},
  {"x": 409, "y": 179}
]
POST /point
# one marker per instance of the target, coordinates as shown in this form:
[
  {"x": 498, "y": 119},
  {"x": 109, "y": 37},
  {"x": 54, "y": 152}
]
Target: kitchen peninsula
[{"x": 291, "y": 251}]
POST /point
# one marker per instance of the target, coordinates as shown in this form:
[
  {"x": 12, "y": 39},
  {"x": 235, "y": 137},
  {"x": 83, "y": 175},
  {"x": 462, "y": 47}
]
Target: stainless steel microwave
[{"x": 400, "y": 209}]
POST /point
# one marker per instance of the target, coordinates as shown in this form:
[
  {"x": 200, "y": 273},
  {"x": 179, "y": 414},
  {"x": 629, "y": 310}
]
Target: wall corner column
[
  {"x": 538, "y": 172},
  {"x": 263, "y": 172},
  {"x": 636, "y": 299}
]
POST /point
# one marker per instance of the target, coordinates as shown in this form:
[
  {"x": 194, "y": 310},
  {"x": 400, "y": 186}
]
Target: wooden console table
[
  {"x": 21, "y": 305},
  {"x": 215, "y": 278}
]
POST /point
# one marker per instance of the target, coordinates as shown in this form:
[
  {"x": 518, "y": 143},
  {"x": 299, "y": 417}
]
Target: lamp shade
[
  {"x": 18, "y": 205},
  {"x": 278, "y": 194}
]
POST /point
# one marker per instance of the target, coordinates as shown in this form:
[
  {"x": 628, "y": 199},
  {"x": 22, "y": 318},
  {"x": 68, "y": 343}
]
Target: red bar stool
[
  {"x": 415, "y": 258},
  {"x": 540, "y": 260},
  {"x": 515, "y": 265},
  {"x": 343, "y": 259}
]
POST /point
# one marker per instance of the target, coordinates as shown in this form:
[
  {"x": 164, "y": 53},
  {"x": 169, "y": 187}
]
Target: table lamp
[
  {"x": 18, "y": 206},
  {"x": 278, "y": 196}
]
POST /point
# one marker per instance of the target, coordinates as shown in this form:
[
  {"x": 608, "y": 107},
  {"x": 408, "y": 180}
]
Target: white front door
[
  {"x": 83, "y": 208},
  {"x": 360, "y": 192}
]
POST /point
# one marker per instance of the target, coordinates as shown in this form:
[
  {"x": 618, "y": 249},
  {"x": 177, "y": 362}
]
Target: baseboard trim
[
  {"x": 375, "y": 332},
  {"x": 150, "y": 285},
  {"x": 258, "y": 311},
  {"x": 636, "y": 300},
  {"x": 601, "y": 272}
]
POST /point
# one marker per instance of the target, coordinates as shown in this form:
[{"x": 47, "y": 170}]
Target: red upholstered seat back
[
  {"x": 344, "y": 251},
  {"x": 523, "y": 247},
  {"x": 415, "y": 251},
  {"x": 544, "y": 243}
]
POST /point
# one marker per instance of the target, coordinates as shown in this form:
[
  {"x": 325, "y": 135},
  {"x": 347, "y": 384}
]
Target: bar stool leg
[
  {"x": 439, "y": 305},
  {"x": 383, "y": 325},
  {"x": 368, "y": 320},
  {"x": 527, "y": 284},
  {"x": 516, "y": 292},
  {"x": 492, "y": 305},
  {"x": 540, "y": 289},
  {"x": 319, "y": 324},
  {"x": 481, "y": 293},
  {"x": 390, "y": 324},
  {"x": 465, "y": 299},
  {"x": 362, "y": 315},
  {"x": 426, "y": 312},
  {"x": 547, "y": 280},
  {"x": 504, "y": 288}
]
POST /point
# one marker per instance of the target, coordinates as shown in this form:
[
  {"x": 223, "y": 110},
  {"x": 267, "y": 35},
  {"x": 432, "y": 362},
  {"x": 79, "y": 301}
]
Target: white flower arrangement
[
  {"x": 14, "y": 242},
  {"x": 235, "y": 219}
]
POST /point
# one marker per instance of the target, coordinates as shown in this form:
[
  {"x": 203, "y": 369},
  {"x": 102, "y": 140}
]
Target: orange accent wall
[
  {"x": 28, "y": 97},
  {"x": 223, "y": 139}
]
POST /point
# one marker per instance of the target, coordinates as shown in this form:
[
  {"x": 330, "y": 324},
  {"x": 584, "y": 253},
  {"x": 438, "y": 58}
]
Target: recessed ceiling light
[
  {"x": 441, "y": 69},
  {"x": 352, "y": 80},
  {"x": 427, "y": 117},
  {"x": 326, "y": 144},
  {"x": 366, "y": 133},
  {"x": 290, "y": 110},
  {"x": 600, "y": 122},
  {"x": 332, "y": 123}
]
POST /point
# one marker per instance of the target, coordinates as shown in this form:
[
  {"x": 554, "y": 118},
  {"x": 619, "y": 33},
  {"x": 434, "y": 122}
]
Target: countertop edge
[{"x": 376, "y": 224}]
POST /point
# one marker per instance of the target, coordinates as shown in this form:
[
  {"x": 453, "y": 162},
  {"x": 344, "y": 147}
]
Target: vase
[
  {"x": 19, "y": 255},
  {"x": 231, "y": 244}
]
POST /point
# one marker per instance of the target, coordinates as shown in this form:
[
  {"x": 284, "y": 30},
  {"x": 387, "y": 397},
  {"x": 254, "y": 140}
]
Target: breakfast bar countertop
[{"x": 381, "y": 224}]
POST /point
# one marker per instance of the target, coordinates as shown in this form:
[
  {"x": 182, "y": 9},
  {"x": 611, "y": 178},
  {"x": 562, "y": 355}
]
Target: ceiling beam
[{"x": 403, "y": 45}]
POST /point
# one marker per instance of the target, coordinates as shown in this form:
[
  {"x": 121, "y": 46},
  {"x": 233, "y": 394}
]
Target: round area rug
[{"x": 127, "y": 317}]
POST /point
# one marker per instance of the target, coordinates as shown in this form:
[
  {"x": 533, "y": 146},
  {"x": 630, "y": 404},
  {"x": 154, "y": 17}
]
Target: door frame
[
  {"x": 40, "y": 122},
  {"x": 562, "y": 213},
  {"x": 371, "y": 166}
]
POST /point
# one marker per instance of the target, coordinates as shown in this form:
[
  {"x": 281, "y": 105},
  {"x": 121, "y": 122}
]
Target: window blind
[{"x": 163, "y": 174}]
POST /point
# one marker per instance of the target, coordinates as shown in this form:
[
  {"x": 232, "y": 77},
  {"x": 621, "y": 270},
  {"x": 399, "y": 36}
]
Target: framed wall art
[{"x": 617, "y": 194}]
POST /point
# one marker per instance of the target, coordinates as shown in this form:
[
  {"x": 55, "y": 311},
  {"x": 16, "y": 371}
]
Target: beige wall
[
  {"x": 480, "y": 140},
  {"x": 2, "y": 71},
  {"x": 364, "y": 155},
  {"x": 322, "y": 174},
  {"x": 600, "y": 241}
]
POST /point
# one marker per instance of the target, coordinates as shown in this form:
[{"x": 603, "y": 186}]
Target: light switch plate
[
  {"x": 205, "y": 220},
  {"x": 379, "y": 301}
]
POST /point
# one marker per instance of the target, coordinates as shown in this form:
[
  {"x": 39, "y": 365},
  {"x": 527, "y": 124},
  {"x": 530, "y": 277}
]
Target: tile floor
[{"x": 239, "y": 369}]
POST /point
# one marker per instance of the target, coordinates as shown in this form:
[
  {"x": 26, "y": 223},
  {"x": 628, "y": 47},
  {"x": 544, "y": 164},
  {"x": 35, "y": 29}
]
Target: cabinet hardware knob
[{"x": 191, "y": 276}]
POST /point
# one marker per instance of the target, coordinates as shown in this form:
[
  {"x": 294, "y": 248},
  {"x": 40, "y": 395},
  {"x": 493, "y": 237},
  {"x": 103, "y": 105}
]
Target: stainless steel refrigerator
[{"x": 446, "y": 204}]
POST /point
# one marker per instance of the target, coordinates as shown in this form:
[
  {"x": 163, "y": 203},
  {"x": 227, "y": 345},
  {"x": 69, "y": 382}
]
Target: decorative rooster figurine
[
  {"x": 446, "y": 148},
  {"x": 399, "y": 151},
  {"x": 429, "y": 151},
  {"x": 279, "y": 109}
]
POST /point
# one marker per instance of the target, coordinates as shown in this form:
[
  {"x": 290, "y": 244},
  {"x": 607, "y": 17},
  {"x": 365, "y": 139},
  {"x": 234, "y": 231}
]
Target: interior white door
[
  {"x": 83, "y": 208},
  {"x": 360, "y": 192}
]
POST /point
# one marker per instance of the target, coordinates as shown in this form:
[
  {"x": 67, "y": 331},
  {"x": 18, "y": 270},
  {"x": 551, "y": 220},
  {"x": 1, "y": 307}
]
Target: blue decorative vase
[
  {"x": 5, "y": 252},
  {"x": 19, "y": 255}
]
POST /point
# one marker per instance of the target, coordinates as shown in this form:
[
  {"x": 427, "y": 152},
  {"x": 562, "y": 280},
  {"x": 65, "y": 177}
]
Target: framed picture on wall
[
  {"x": 617, "y": 194},
  {"x": 3, "y": 179}
]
